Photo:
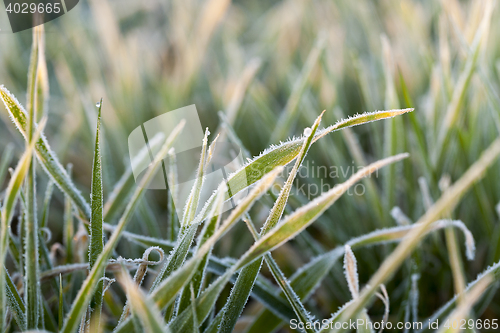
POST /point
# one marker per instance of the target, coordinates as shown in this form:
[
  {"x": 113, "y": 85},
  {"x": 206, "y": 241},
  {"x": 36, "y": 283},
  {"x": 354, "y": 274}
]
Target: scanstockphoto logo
[
  {"x": 145, "y": 141},
  {"x": 19, "y": 15}
]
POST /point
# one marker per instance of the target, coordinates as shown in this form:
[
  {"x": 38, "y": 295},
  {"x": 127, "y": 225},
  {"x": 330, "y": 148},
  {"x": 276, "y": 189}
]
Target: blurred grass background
[{"x": 272, "y": 67}]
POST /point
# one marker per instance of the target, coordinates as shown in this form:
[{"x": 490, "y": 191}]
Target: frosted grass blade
[{"x": 96, "y": 243}]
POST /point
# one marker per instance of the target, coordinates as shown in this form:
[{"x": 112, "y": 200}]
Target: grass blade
[
  {"x": 31, "y": 254},
  {"x": 96, "y": 243}
]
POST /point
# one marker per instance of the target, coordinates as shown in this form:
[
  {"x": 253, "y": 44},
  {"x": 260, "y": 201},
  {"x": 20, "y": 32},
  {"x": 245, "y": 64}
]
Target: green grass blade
[
  {"x": 69, "y": 227},
  {"x": 444, "y": 205},
  {"x": 96, "y": 243},
  {"x": 60, "y": 316},
  {"x": 286, "y": 152},
  {"x": 194, "y": 196},
  {"x": 81, "y": 302},
  {"x": 15, "y": 302},
  {"x": 172, "y": 195}
]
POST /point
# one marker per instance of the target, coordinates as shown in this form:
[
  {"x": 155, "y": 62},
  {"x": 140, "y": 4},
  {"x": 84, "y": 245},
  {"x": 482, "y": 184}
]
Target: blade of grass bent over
[
  {"x": 287, "y": 152},
  {"x": 81, "y": 302},
  {"x": 96, "y": 243},
  {"x": 445, "y": 204}
]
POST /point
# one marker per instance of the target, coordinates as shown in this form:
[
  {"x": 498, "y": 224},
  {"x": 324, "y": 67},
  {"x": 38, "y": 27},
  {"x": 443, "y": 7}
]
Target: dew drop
[
  {"x": 307, "y": 131},
  {"x": 98, "y": 104}
]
